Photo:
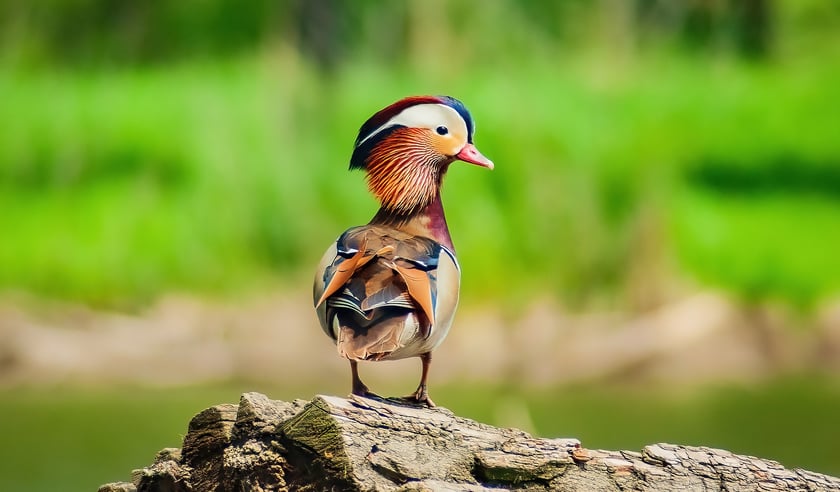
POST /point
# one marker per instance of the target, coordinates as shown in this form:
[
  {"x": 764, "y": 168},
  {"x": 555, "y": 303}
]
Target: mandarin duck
[{"x": 388, "y": 290}]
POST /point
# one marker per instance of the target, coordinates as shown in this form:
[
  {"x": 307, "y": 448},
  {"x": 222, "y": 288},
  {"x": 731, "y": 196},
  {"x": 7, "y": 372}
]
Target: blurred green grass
[
  {"x": 770, "y": 247},
  {"x": 90, "y": 436},
  {"x": 217, "y": 176}
]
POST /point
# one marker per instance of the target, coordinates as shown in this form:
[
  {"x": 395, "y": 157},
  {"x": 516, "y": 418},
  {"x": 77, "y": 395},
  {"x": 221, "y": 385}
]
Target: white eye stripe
[{"x": 425, "y": 116}]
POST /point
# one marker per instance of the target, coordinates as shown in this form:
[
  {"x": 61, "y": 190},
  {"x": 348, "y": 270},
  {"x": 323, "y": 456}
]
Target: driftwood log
[{"x": 333, "y": 443}]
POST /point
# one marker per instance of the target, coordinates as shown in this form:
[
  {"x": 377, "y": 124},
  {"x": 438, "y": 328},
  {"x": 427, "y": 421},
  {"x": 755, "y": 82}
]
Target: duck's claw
[
  {"x": 421, "y": 396},
  {"x": 359, "y": 388}
]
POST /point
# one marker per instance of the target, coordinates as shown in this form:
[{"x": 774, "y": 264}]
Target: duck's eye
[{"x": 442, "y": 130}]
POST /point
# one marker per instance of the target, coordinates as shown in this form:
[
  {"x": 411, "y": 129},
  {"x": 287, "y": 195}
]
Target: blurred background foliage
[
  {"x": 148, "y": 146},
  {"x": 644, "y": 149}
]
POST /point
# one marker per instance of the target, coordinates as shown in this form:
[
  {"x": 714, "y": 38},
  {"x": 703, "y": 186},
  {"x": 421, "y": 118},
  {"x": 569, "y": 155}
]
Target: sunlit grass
[
  {"x": 116, "y": 186},
  {"x": 765, "y": 247}
]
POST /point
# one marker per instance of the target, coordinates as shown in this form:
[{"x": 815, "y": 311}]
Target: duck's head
[{"x": 406, "y": 148}]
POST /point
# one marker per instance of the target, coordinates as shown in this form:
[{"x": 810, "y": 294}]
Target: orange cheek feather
[{"x": 448, "y": 145}]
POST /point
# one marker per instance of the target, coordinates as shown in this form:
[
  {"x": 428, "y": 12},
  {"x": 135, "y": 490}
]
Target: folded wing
[{"x": 377, "y": 288}]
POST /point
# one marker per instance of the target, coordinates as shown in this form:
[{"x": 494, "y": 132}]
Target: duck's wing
[{"x": 371, "y": 268}]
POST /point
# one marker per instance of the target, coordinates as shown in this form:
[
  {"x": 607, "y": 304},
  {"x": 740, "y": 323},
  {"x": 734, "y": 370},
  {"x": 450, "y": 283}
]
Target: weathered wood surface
[{"x": 362, "y": 444}]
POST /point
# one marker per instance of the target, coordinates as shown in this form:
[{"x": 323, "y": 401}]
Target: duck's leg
[
  {"x": 359, "y": 388},
  {"x": 422, "y": 394}
]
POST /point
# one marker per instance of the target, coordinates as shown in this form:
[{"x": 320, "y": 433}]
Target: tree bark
[{"x": 362, "y": 444}]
